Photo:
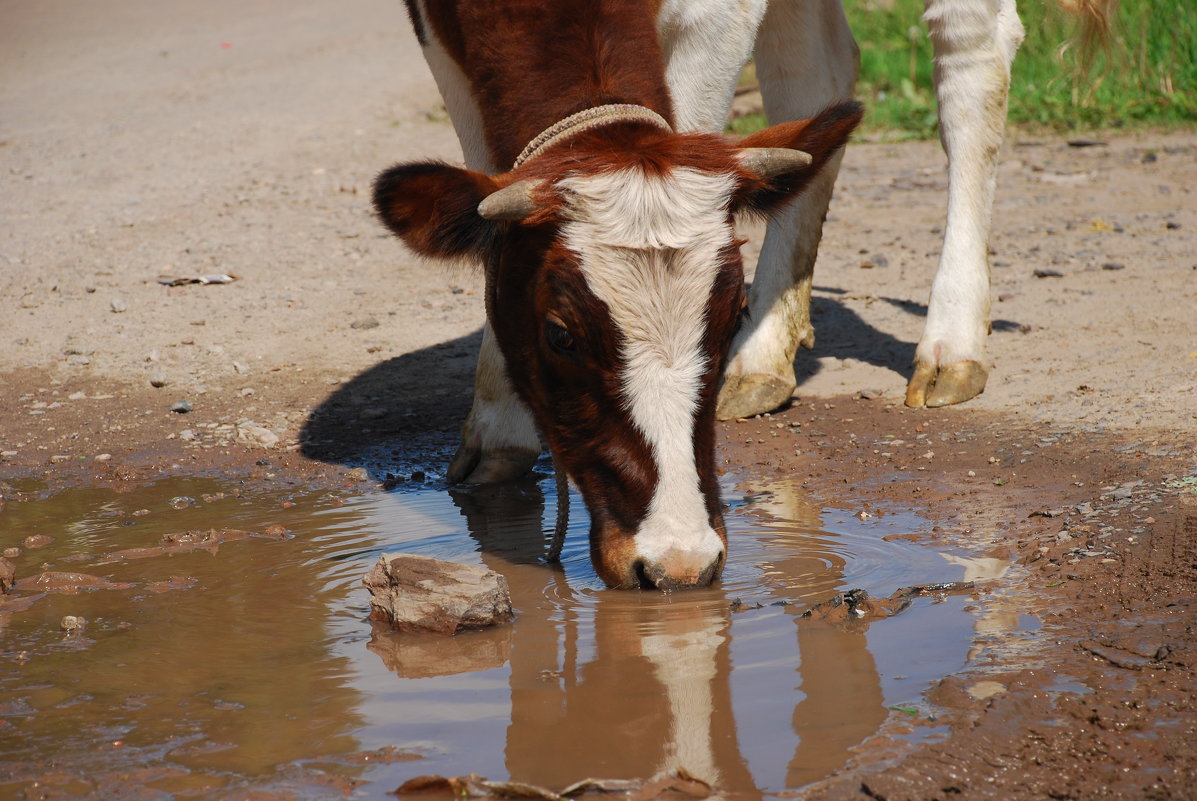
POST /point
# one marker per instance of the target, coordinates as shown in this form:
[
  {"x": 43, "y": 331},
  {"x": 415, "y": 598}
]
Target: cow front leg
[
  {"x": 498, "y": 439},
  {"x": 975, "y": 42},
  {"x": 806, "y": 59}
]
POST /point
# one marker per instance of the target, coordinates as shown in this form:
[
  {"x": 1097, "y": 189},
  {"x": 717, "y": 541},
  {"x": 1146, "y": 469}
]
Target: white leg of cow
[
  {"x": 975, "y": 42},
  {"x": 806, "y": 59},
  {"x": 706, "y": 43},
  {"x": 499, "y": 440}
]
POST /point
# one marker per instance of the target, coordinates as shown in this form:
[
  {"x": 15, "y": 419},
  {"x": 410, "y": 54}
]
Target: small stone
[
  {"x": 986, "y": 689},
  {"x": 187, "y": 434},
  {"x": 11, "y": 553},
  {"x": 118, "y": 306},
  {"x": 250, "y": 433},
  {"x": 158, "y": 380},
  {"x": 182, "y": 407},
  {"x": 364, "y": 324},
  {"x": 8, "y": 573},
  {"x": 421, "y": 594},
  {"x": 358, "y": 474},
  {"x": 1046, "y": 273},
  {"x": 181, "y": 502},
  {"x": 59, "y": 458},
  {"x": 240, "y": 367},
  {"x": 38, "y": 541},
  {"x": 77, "y": 396},
  {"x": 102, "y": 457},
  {"x": 72, "y": 623},
  {"x": 1110, "y": 265},
  {"x": 78, "y": 359}
]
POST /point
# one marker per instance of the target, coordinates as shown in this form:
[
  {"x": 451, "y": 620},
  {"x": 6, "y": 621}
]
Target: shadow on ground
[{"x": 400, "y": 416}]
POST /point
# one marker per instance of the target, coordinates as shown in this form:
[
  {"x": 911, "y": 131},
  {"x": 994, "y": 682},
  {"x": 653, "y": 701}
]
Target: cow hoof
[
  {"x": 752, "y": 394},
  {"x": 934, "y": 386},
  {"x": 473, "y": 466}
]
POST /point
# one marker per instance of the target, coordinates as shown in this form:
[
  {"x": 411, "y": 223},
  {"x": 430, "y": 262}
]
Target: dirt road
[{"x": 139, "y": 142}]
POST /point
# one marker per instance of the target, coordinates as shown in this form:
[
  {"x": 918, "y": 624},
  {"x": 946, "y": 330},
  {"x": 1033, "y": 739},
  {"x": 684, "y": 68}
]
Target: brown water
[{"x": 251, "y": 665}]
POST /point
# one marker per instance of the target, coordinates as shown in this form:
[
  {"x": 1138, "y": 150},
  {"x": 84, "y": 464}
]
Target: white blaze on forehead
[{"x": 650, "y": 250}]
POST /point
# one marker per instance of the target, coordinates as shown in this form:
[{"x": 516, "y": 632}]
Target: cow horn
[
  {"x": 767, "y": 162},
  {"x": 511, "y": 203}
]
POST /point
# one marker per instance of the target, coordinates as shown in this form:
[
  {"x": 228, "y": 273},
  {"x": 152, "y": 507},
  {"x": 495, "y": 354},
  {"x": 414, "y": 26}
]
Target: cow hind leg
[
  {"x": 975, "y": 42},
  {"x": 806, "y": 59},
  {"x": 499, "y": 440}
]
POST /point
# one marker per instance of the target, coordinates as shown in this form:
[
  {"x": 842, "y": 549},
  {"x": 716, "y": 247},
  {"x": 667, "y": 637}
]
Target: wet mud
[{"x": 903, "y": 592}]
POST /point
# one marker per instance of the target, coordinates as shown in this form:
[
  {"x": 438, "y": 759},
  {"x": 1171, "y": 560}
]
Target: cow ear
[
  {"x": 433, "y": 208},
  {"x": 821, "y": 136}
]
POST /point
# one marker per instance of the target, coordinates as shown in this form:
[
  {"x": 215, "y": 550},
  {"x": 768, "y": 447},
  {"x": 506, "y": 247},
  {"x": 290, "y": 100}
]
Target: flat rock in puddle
[{"x": 421, "y": 594}]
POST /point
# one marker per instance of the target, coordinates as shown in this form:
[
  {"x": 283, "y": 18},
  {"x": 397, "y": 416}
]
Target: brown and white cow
[{"x": 604, "y": 216}]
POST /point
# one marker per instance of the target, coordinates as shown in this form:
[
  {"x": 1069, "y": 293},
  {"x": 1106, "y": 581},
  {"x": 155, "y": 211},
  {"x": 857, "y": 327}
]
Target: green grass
[{"x": 1148, "y": 78}]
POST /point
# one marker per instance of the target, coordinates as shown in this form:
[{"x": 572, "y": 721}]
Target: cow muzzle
[
  {"x": 675, "y": 570},
  {"x": 661, "y": 559}
]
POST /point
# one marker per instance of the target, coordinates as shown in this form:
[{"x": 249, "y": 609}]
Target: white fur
[
  {"x": 649, "y": 249},
  {"x": 806, "y": 59},
  {"x": 975, "y": 42},
  {"x": 705, "y": 43}
]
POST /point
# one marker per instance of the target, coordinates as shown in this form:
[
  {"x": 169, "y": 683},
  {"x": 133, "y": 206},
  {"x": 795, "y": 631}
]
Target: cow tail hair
[{"x": 1095, "y": 27}]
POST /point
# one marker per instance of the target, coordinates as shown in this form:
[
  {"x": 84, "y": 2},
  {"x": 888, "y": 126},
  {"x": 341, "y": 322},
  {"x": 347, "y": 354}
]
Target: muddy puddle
[{"x": 227, "y": 647}]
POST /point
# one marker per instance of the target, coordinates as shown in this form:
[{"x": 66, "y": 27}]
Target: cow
[
  {"x": 599, "y": 195},
  {"x": 602, "y": 206}
]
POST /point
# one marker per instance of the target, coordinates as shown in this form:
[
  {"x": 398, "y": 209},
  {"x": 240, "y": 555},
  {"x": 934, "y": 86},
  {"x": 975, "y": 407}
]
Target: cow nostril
[{"x": 640, "y": 574}]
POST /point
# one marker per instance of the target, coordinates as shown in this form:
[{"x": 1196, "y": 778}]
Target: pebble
[
  {"x": 251, "y": 433},
  {"x": 102, "y": 457},
  {"x": 8, "y": 574},
  {"x": 11, "y": 553},
  {"x": 78, "y": 359},
  {"x": 187, "y": 434},
  {"x": 72, "y": 623},
  {"x": 181, "y": 502},
  {"x": 118, "y": 306},
  {"x": 77, "y": 396},
  {"x": 158, "y": 380},
  {"x": 182, "y": 406},
  {"x": 364, "y": 324}
]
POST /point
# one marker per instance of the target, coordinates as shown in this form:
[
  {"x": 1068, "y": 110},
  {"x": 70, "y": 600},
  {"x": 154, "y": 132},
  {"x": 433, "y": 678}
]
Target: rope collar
[{"x": 586, "y": 119}]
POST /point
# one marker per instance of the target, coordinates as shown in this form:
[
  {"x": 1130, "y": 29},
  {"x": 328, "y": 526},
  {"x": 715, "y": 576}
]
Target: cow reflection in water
[{"x": 626, "y": 685}]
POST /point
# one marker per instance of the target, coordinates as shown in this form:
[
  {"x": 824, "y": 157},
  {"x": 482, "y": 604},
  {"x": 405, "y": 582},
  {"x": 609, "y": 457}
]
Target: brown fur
[{"x": 532, "y": 63}]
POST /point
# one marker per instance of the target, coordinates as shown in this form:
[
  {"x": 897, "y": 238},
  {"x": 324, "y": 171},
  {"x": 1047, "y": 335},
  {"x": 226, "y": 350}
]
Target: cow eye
[{"x": 559, "y": 338}]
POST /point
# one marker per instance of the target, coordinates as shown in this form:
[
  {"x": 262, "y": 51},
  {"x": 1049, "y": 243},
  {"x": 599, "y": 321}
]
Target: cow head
[{"x": 614, "y": 286}]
